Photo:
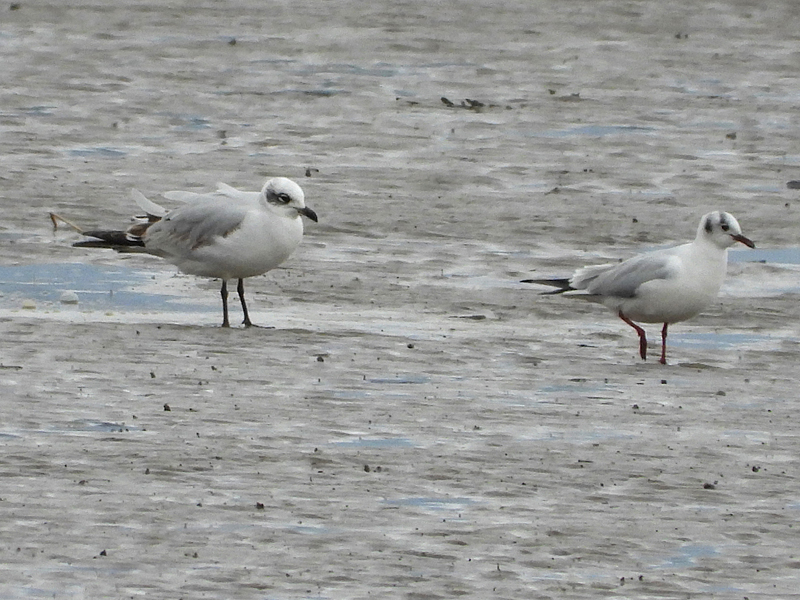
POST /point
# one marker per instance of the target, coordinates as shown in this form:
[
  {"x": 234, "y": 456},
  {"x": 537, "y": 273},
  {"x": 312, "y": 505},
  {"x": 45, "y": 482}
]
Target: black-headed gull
[
  {"x": 663, "y": 286},
  {"x": 227, "y": 234}
]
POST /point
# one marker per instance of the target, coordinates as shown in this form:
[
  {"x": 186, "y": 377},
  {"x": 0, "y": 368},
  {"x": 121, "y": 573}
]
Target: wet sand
[{"x": 411, "y": 422}]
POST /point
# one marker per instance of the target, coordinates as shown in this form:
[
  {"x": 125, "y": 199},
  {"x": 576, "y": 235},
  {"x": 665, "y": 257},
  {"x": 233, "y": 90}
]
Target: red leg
[
  {"x": 642, "y": 336},
  {"x": 664, "y": 344}
]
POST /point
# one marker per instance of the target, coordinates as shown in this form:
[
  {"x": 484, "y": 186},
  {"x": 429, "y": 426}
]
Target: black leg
[
  {"x": 240, "y": 290},
  {"x": 224, "y": 294},
  {"x": 664, "y": 344}
]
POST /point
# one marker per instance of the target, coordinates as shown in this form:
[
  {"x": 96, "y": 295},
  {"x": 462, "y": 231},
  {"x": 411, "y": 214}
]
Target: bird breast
[
  {"x": 681, "y": 297},
  {"x": 259, "y": 244}
]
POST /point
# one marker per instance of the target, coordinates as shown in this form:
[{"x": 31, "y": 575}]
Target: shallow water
[{"x": 412, "y": 421}]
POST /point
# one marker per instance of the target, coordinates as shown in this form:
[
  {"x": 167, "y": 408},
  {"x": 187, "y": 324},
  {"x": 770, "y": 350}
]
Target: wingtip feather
[{"x": 148, "y": 206}]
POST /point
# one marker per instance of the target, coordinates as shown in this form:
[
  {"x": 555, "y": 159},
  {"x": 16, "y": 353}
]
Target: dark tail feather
[
  {"x": 561, "y": 283},
  {"x": 121, "y": 241}
]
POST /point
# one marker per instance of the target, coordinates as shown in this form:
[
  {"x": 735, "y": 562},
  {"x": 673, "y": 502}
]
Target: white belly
[{"x": 258, "y": 246}]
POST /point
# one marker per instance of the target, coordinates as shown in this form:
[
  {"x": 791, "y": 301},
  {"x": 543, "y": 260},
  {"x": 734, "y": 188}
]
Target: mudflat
[{"x": 410, "y": 421}]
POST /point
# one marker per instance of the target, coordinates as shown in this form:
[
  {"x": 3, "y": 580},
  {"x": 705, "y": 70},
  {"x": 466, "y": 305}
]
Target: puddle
[
  {"x": 687, "y": 556},
  {"x": 28, "y": 111},
  {"x": 186, "y": 122},
  {"x": 100, "y": 288},
  {"x": 92, "y": 426}
]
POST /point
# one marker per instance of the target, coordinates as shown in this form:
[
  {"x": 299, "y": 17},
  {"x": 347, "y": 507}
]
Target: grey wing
[
  {"x": 624, "y": 279},
  {"x": 184, "y": 196},
  {"x": 147, "y": 205},
  {"x": 223, "y": 189},
  {"x": 224, "y": 192},
  {"x": 181, "y": 196},
  {"x": 194, "y": 225}
]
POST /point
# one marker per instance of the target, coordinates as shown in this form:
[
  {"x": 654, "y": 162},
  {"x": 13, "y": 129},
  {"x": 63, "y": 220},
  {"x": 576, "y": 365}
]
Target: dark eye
[
  {"x": 725, "y": 226},
  {"x": 285, "y": 198}
]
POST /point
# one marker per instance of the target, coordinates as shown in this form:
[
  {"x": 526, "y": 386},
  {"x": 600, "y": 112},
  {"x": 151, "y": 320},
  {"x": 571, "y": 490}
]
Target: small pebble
[{"x": 69, "y": 297}]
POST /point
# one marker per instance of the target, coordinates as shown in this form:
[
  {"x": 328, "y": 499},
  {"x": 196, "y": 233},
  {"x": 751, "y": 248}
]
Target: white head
[
  {"x": 722, "y": 230},
  {"x": 283, "y": 192}
]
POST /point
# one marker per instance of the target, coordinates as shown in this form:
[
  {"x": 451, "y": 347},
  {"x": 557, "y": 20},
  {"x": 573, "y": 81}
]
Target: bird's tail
[
  {"x": 128, "y": 240},
  {"x": 562, "y": 283},
  {"x": 121, "y": 241}
]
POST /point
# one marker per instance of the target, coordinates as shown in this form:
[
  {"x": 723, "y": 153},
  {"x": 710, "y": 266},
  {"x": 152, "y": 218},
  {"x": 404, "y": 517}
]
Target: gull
[
  {"x": 663, "y": 286},
  {"x": 227, "y": 234}
]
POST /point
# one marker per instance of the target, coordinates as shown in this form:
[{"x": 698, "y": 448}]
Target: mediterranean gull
[
  {"x": 227, "y": 234},
  {"x": 663, "y": 286}
]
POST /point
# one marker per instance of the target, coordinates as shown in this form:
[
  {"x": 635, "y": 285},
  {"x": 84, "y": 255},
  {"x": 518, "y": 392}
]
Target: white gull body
[
  {"x": 227, "y": 234},
  {"x": 664, "y": 286}
]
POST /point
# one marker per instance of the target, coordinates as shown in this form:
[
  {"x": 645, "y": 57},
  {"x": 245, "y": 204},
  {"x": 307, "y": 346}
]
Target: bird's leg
[
  {"x": 642, "y": 336},
  {"x": 240, "y": 290},
  {"x": 664, "y": 344},
  {"x": 224, "y": 293}
]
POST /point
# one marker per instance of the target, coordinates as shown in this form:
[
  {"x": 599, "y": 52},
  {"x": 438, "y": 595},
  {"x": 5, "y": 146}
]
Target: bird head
[
  {"x": 283, "y": 192},
  {"x": 722, "y": 230}
]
